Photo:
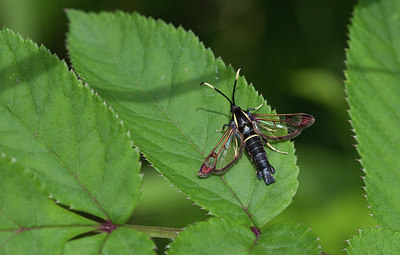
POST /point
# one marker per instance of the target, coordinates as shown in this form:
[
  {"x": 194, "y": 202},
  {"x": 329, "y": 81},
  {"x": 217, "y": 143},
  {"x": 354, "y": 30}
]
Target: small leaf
[
  {"x": 374, "y": 97},
  {"x": 121, "y": 241},
  {"x": 375, "y": 241},
  {"x": 219, "y": 236},
  {"x": 150, "y": 73},
  {"x": 30, "y": 222},
  {"x": 54, "y": 125},
  {"x": 287, "y": 239}
]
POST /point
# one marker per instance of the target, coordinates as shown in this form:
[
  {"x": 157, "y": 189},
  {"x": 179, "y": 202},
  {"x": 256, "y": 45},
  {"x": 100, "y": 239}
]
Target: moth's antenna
[
  {"x": 214, "y": 88},
  {"x": 234, "y": 86}
]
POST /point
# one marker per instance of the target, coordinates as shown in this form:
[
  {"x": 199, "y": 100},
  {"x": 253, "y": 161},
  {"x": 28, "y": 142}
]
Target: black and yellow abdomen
[{"x": 255, "y": 148}]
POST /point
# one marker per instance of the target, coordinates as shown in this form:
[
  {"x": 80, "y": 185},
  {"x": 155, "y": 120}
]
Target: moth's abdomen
[{"x": 255, "y": 148}]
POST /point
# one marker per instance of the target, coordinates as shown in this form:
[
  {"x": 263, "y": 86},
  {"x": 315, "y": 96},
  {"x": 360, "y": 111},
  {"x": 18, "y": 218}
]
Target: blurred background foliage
[{"x": 293, "y": 52}]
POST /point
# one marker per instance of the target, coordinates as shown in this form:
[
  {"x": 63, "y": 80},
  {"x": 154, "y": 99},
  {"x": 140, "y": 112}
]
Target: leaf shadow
[
  {"x": 212, "y": 111},
  {"x": 161, "y": 92},
  {"x": 17, "y": 71}
]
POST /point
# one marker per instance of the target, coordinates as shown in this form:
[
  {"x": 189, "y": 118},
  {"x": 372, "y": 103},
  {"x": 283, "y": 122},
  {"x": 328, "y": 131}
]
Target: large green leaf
[
  {"x": 30, "y": 222},
  {"x": 375, "y": 241},
  {"x": 62, "y": 131},
  {"x": 219, "y": 236},
  {"x": 150, "y": 73},
  {"x": 373, "y": 87}
]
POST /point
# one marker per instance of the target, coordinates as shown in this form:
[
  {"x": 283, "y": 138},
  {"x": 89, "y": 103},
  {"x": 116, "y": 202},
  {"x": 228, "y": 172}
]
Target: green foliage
[
  {"x": 82, "y": 157},
  {"x": 32, "y": 223},
  {"x": 373, "y": 95},
  {"x": 219, "y": 236},
  {"x": 75, "y": 146},
  {"x": 150, "y": 73},
  {"x": 375, "y": 241},
  {"x": 123, "y": 240},
  {"x": 54, "y": 125},
  {"x": 70, "y": 149},
  {"x": 28, "y": 216}
]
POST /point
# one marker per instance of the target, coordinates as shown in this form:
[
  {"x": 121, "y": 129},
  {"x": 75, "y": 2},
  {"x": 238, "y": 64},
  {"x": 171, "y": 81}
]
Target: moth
[{"x": 248, "y": 131}]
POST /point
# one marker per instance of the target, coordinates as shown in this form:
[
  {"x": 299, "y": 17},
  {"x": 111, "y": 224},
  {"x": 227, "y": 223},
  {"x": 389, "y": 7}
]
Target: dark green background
[{"x": 293, "y": 52}]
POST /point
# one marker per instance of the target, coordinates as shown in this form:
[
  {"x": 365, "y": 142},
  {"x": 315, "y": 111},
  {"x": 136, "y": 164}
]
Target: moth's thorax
[{"x": 240, "y": 118}]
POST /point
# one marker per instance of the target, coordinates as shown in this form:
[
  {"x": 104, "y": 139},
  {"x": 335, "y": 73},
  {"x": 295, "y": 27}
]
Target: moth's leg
[
  {"x": 255, "y": 109},
  {"x": 272, "y": 148},
  {"x": 223, "y": 128}
]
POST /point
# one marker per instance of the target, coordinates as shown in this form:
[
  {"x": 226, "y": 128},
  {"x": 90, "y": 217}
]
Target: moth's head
[{"x": 235, "y": 108}]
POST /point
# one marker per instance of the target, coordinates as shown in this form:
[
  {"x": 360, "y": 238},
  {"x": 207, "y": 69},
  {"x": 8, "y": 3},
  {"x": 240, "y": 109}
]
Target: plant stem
[{"x": 160, "y": 232}]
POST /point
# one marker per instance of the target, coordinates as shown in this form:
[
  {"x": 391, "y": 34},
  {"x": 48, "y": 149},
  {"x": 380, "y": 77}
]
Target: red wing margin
[
  {"x": 224, "y": 154},
  {"x": 281, "y": 127}
]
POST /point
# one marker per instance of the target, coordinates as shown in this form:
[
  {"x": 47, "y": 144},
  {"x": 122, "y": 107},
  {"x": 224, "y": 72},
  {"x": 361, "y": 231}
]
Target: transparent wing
[
  {"x": 224, "y": 154},
  {"x": 281, "y": 127}
]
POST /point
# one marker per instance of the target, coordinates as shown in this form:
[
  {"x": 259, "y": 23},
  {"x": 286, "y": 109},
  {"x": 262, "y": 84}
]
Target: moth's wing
[
  {"x": 281, "y": 127},
  {"x": 225, "y": 153}
]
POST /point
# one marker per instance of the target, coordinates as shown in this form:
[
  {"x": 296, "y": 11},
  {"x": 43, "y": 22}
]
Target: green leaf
[
  {"x": 121, "y": 241},
  {"x": 375, "y": 241},
  {"x": 219, "y": 236},
  {"x": 374, "y": 98},
  {"x": 62, "y": 131},
  {"x": 287, "y": 239},
  {"x": 150, "y": 73},
  {"x": 30, "y": 222}
]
